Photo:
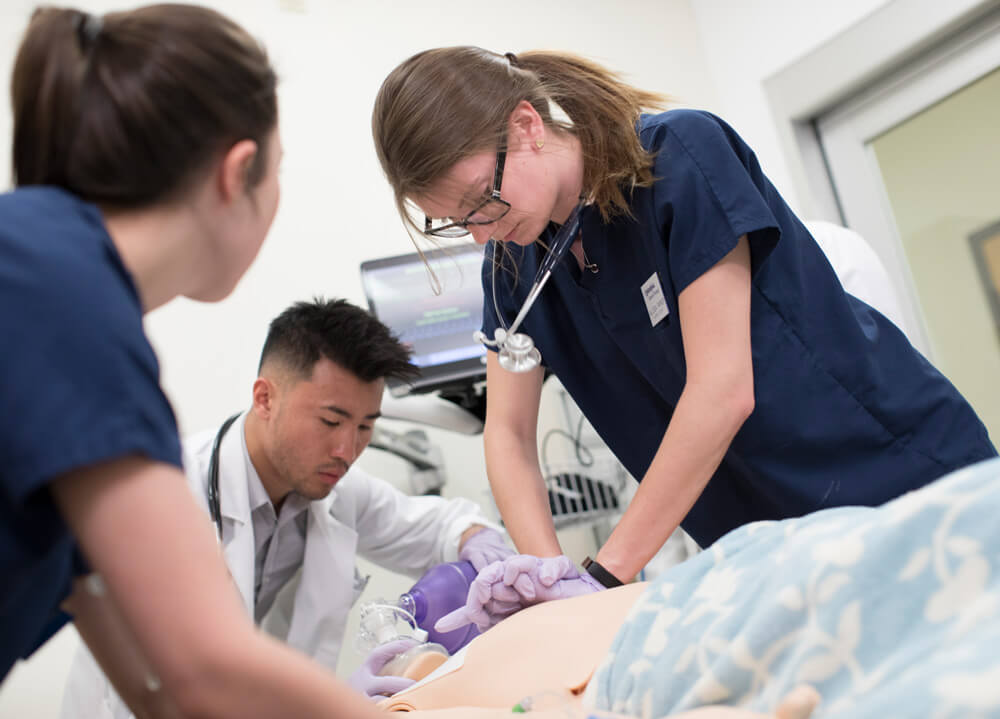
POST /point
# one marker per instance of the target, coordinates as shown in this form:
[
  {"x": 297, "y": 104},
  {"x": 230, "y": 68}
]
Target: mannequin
[{"x": 548, "y": 654}]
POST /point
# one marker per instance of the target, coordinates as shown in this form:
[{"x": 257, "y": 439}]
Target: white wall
[
  {"x": 746, "y": 42},
  {"x": 336, "y": 208}
]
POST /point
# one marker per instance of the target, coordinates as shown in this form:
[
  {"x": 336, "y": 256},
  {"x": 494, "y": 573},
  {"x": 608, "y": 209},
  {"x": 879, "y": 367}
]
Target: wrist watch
[{"x": 602, "y": 575}]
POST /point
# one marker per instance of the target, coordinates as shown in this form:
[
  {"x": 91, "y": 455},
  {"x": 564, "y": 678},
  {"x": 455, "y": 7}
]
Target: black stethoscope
[
  {"x": 214, "y": 506},
  {"x": 516, "y": 350}
]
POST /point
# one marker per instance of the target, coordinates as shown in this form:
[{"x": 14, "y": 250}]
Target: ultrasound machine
[{"x": 433, "y": 301}]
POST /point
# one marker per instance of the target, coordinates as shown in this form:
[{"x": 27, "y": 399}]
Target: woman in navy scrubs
[
  {"x": 145, "y": 157},
  {"x": 695, "y": 322}
]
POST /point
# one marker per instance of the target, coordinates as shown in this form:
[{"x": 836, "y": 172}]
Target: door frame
[
  {"x": 859, "y": 57},
  {"x": 876, "y": 59},
  {"x": 847, "y": 132}
]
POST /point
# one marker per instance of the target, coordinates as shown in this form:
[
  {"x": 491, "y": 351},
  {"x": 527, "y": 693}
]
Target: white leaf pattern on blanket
[{"x": 889, "y": 612}]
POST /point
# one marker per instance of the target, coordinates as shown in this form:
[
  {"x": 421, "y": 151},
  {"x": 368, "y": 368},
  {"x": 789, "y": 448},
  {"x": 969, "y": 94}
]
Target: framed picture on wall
[{"x": 986, "y": 254}]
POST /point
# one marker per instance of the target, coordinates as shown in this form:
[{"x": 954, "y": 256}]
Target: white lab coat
[
  {"x": 859, "y": 269},
  {"x": 362, "y": 515}
]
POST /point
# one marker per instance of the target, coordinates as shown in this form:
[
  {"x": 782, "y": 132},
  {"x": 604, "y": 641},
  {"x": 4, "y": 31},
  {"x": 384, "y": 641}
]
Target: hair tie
[
  {"x": 88, "y": 27},
  {"x": 511, "y": 58}
]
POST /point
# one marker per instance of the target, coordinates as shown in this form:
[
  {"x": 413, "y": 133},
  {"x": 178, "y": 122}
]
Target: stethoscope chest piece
[{"x": 518, "y": 353}]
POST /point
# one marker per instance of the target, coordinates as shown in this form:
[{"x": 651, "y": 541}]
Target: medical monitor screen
[{"x": 437, "y": 328}]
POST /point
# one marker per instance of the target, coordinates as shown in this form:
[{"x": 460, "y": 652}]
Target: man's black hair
[{"x": 341, "y": 332}]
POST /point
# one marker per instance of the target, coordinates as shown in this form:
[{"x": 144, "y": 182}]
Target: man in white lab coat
[{"x": 287, "y": 499}]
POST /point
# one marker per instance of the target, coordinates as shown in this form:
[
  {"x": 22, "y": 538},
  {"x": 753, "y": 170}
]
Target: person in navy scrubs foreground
[
  {"x": 146, "y": 157},
  {"x": 695, "y": 322}
]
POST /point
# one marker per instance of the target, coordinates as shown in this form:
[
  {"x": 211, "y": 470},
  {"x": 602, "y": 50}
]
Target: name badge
[{"x": 656, "y": 303}]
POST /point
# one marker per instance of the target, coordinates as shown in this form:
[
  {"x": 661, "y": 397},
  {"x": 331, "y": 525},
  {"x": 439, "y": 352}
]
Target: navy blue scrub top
[
  {"x": 80, "y": 386},
  {"x": 847, "y": 411}
]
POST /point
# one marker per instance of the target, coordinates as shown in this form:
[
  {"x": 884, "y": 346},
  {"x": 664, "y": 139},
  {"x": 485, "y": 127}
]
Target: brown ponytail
[
  {"x": 604, "y": 111},
  {"x": 125, "y": 110}
]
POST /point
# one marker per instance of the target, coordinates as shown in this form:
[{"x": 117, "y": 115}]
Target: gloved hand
[
  {"x": 504, "y": 588},
  {"x": 484, "y": 547},
  {"x": 542, "y": 579},
  {"x": 481, "y": 607},
  {"x": 525, "y": 572},
  {"x": 366, "y": 679}
]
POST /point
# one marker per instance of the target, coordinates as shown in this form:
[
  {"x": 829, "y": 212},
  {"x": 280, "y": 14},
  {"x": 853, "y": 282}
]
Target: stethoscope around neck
[
  {"x": 214, "y": 504},
  {"x": 516, "y": 351}
]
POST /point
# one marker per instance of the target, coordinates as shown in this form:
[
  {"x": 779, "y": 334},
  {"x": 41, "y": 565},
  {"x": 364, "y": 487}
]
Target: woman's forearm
[
  {"x": 718, "y": 396},
  {"x": 168, "y": 590},
  {"x": 519, "y": 490},
  {"x": 102, "y": 628},
  {"x": 510, "y": 441},
  {"x": 252, "y": 676},
  {"x": 263, "y": 678},
  {"x": 700, "y": 432}
]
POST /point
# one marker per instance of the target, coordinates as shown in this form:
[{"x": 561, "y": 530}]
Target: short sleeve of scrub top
[
  {"x": 80, "y": 387},
  {"x": 709, "y": 192}
]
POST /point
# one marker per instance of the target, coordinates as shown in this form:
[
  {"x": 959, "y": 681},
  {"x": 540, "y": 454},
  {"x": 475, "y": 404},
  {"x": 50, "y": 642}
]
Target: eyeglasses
[{"x": 486, "y": 212}]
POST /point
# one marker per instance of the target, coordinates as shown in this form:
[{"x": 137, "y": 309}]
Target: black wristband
[{"x": 601, "y": 574}]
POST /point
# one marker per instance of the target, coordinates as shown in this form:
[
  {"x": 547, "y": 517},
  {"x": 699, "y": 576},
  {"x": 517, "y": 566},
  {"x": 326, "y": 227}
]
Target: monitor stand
[
  {"x": 471, "y": 397},
  {"x": 459, "y": 408}
]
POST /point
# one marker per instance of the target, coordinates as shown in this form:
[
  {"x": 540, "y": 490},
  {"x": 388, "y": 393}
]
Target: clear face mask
[{"x": 383, "y": 621}]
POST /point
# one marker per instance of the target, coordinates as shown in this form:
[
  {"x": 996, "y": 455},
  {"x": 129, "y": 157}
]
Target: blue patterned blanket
[{"x": 888, "y": 612}]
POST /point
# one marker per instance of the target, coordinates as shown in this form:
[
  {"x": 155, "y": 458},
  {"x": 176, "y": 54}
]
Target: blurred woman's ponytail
[
  {"x": 49, "y": 74},
  {"x": 126, "y": 109}
]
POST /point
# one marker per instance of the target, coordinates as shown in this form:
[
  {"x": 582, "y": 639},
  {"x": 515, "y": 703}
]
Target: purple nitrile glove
[
  {"x": 504, "y": 588},
  {"x": 525, "y": 572},
  {"x": 482, "y": 608},
  {"x": 484, "y": 547},
  {"x": 366, "y": 679},
  {"x": 542, "y": 579}
]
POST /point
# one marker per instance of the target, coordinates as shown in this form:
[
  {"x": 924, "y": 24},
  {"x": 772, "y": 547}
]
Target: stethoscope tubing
[
  {"x": 562, "y": 242},
  {"x": 557, "y": 250},
  {"x": 214, "y": 504}
]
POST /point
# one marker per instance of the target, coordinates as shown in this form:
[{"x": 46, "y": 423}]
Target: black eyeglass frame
[{"x": 460, "y": 228}]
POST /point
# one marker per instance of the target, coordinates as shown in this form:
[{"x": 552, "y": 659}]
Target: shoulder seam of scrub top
[
  {"x": 726, "y": 244},
  {"x": 705, "y": 175}
]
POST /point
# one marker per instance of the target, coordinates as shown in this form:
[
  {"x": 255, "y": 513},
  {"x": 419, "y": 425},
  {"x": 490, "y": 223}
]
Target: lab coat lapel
[
  {"x": 234, "y": 502},
  {"x": 326, "y": 591}
]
